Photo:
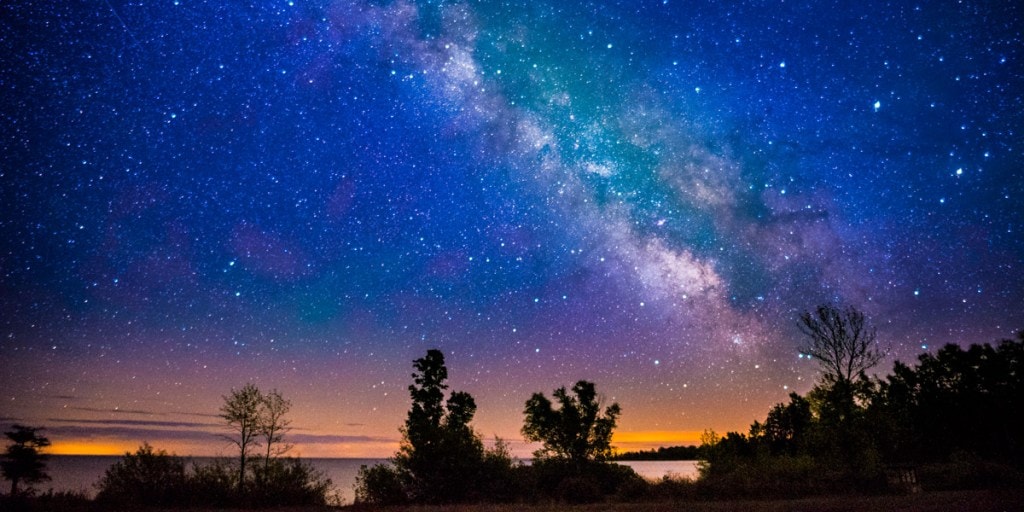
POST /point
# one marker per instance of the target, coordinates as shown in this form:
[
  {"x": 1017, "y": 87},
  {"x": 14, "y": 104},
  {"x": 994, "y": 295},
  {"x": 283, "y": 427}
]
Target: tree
[
  {"x": 423, "y": 423},
  {"x": 840, "y": 341},
  {"x": 441, "y": 458},
  {"x": 576, "y": 432},
  {"x": 273, "y": 425},
  {"x": 241, "y": 411},
  {"x": 845, "y": 348},
  {"x": 787, "y": 425},
  {"x": 929, "y": 406},
  {"x": 24, "y": 461},
  {"x": 440, "y": 454}
]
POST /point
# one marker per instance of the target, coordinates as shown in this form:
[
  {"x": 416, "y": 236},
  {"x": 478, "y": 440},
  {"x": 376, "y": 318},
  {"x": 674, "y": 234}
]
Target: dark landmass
[
  {"x": 663, "y": 453},
  {"x": 964, "y": 501}
]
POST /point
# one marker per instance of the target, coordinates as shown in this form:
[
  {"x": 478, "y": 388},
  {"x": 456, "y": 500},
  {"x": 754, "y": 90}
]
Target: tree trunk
[
  {"x": 266, "y": 460},
  {"x": 241, "y": 474}
]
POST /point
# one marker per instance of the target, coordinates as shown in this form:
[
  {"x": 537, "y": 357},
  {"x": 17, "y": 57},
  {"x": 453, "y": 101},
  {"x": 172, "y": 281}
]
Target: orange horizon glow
[
  {"x": 90, "y": 448},
  {"x": 654, "y": 439},
  {"x": 622, "y": 441}
]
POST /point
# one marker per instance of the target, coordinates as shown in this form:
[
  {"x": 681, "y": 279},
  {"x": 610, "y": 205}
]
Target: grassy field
[{"x": 965, "y": 501}]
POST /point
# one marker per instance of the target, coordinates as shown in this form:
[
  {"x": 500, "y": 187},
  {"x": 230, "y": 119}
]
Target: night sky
[{"x": 644, "y": 194}]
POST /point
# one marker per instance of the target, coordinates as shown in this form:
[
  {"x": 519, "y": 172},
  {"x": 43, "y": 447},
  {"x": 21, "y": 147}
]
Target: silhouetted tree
[
  {"x": 273, "y": 425},
  {"x": 441, "y": 458},
  {"x": 929, "y": 407},
  {"x": 241, "y": 411},
  {"x": 844, "y": 346},
  {"x": 24, "y": 461},
  {"x": 440, "y": 453},
  {"x": 787, "y": 425},
  {"x": 438, "y": 446},
  {"x": 840, "y": 341},
  {"x": 577, "y": 431}
]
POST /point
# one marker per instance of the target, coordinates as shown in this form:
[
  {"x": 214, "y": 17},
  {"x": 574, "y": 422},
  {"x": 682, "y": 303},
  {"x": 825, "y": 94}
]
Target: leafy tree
[
  {"x": 24, "y": 461},
  {"x": 577, "y": 431},
  {"x": 440, "y": 453},
  {"x": 929, "y": 407},
  {"x": 787, "y": 425},
  {"x": 441, "y": 459},
  {"x": 146, "y": 477},
  {"x": 241, "y": 411},
  {"x": 840, "y": 341}
]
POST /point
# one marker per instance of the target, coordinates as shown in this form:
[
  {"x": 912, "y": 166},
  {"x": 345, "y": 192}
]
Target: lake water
[{"x": 80, "y": 473}]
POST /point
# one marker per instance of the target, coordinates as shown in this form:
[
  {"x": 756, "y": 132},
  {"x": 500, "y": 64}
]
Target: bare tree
[
  {"x": 241, "y": 411},
  {"x": 841, "y": 342},
  {"x": 273, "y": 425}
]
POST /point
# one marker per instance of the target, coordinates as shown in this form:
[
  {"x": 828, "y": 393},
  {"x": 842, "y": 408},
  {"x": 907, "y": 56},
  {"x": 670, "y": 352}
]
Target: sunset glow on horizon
[{"x": 623, "y": 441}]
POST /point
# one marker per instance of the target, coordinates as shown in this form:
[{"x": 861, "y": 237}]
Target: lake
[{"x": 81, "y": 472}]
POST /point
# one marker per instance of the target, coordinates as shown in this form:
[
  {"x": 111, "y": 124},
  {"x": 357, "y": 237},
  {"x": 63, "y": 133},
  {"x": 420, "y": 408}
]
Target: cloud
[
  {"x": 136, "y": 423},
  {"x": 126, "y": 433},
  {"x": 181, "y": 431},
  {"x": 336, "y": 439},
  {"x": 118, "y": 411}
]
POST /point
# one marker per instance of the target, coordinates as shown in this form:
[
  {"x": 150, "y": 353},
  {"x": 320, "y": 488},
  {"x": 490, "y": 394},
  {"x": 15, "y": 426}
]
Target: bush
[
  {"x": 289, "y": 481},
  {"x": 151, "y": 477},
  {"x": 64, "y": 501},
  {"x": 498, "y": 480},
  {"x": 563, "y": 481},
  {"x": 380, "y": 484},
  {"x": 788, "y": 476},
  {"x": 213, "y": 484},
  {"x": 968, "y": 472},
  {"x": 146, "y": 477},
  {"x": 671, "y": 489}
]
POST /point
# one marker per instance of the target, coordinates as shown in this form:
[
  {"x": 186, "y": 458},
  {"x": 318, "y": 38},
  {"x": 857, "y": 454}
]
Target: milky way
[{"x": 309, "y": 195}]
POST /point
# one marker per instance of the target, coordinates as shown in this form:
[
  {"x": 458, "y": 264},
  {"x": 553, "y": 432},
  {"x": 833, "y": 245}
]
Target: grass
[{"x": 964, "y": 501}]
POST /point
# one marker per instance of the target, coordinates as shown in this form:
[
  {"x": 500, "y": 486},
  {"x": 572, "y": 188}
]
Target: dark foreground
[
  {"x": 1002, "y": 500},
  {"x": 967, "y": 501}
]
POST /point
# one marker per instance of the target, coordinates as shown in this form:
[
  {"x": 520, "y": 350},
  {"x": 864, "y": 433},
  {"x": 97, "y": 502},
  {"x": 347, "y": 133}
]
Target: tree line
[
  {"x": 947, "y": 421},
  {"x": 441, "y": 458},
  {"x": 662, "y": 453}
]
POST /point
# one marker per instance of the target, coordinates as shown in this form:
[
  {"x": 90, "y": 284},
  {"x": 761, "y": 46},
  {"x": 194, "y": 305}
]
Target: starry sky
[{"x": 308, "y": 195}]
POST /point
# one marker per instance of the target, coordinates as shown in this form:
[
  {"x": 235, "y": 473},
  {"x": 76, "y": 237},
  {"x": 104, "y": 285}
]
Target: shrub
[
  {"x": 564, "y": 481},
  {"x": 380, "y": 484},
  {"x": 213, "y": 484},
  {"x": 289, "y": 481},
  {"x": 146, "y": 477}
]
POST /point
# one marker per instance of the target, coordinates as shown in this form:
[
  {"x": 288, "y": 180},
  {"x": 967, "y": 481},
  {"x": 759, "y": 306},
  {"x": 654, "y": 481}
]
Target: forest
[{"x": 943, "y": 422}]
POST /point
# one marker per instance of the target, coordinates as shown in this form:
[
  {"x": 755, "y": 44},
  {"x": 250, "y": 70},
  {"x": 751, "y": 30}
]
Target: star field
[{"x": 309, "y": 195}]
